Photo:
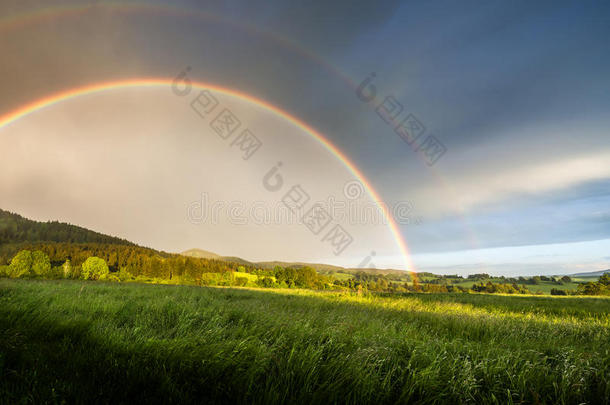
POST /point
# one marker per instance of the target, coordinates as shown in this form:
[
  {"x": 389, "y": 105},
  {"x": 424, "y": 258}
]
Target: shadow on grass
[{"x": 259, "y": 346}]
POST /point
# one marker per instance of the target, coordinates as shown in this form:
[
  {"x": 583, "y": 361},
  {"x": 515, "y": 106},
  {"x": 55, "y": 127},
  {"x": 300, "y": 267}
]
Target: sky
[{"x": 516, "y": 94}]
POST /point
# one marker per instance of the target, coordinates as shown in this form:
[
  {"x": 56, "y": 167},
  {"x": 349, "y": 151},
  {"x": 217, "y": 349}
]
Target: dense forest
[{"x": 16, "y": 229}]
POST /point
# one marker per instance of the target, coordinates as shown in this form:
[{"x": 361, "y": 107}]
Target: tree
[
  {"x": 265, "y": 282},
  {"x": 21, "y": 265},
  {"x": 605, "y": 279},
  {"x": 67, "y": 269},
  {"x": 590, "y": 288},
  {"x": 566, "y": 279},
  {"x": 41, "y": 265},
  {"x": 94, "y": 268}
]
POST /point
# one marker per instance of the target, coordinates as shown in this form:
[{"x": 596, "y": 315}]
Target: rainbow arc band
[{"x": 55, "y": 98}]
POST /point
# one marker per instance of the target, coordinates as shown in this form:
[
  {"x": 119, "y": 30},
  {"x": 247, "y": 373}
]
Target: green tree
[
  {"x": 94, "y": 268},
  {"x": 67, "y": 269},
  {"x": 306, "y": 277},
  {"x": 265, "y": 282},
  {"x": 590, "y": 288},
  {"x": 41, "y": 265},
  {"x": 21, "y": 265},
  {"x": 605, "y": 279}
]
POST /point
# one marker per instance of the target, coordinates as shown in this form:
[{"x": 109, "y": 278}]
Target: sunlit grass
[{"x": 81, "y": 341}]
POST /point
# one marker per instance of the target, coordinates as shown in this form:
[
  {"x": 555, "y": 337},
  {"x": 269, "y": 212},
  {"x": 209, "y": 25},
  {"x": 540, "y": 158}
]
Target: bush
[
  {"x": 55, "y": 273},
  {"x": 241, "y": 281},
  {"x": 124, "y": 275},
  {"x": 557, "y": 291},
  {"x": 94, "y": 268},
  {"x": 110, "y": 277}
]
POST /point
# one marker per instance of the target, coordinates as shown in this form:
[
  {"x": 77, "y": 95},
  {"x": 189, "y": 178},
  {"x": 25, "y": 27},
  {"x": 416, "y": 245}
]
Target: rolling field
[{"x": 93, "y": 342}]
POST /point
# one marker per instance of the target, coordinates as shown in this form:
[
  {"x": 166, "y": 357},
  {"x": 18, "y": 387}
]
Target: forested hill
[
  {"x": 61, "y": 242},
  {"x": 16, "y": 229}
]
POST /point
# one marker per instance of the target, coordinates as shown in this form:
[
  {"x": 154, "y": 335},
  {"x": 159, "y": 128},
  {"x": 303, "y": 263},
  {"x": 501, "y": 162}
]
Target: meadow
[{"x": 81, "y": 341}]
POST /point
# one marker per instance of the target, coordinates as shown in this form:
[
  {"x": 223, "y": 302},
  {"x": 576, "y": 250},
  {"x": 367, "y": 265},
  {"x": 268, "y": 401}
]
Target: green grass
[{"x": 96, "y": 342}]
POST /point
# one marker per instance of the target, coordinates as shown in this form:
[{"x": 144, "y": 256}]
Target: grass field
[{"x": 95, "y": 342}]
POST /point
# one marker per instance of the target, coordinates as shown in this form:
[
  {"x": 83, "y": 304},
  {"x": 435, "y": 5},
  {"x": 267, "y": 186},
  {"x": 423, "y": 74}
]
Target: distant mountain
[
  {"x": 206, "y": 254},
  {"x": 591, "y": 274},
  {"x": 317, "y": 266},
  {"x": 16, "y": 229},
  {"x": 321, "y": 267},
  {"x": 201, "y": 254}
]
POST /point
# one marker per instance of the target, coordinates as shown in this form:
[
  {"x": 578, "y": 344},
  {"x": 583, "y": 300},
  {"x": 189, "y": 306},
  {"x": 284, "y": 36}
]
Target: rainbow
[
  {"x": 44, "y": 102},
  {"x": 50, "y": 13}
]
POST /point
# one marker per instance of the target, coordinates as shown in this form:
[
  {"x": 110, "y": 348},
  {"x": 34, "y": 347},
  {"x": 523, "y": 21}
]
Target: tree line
[{"x": 122, "y": 263}]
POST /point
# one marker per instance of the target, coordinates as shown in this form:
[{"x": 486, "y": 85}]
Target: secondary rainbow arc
[
  {"x": 158, "y": 8},
  {"x": 44, "y": 102}
]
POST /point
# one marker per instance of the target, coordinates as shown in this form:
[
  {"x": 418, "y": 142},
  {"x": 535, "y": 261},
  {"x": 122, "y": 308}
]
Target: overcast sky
[{"x": 517, "y": 92}]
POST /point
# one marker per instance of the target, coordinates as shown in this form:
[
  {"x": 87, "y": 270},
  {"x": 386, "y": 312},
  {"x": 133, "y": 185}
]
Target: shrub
[
  {"x": 557, "y": 291},
  {"x": 241, "y": 281},
  {"x": 109, "y": 277},
  {"x": 124, "y": 275}
]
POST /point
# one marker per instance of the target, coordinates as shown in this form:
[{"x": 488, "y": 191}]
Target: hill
[
  {"x": 591, "y": 273},
  {"x": 16, "y": 229},
  {"x": 61, "y": 241},
  {"x": 200, "y": 254},
  {"x": 206, "y": 254},
  {"x": 317, "y": 266}
]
